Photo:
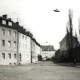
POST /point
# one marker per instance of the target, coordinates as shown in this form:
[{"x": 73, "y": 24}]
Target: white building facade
[
  {"x": 47, "y": 52},
  {"x": 8, "y": 41},
  {"x": 17, "y": 45},
  {"x": 38, "y": 51},
  {"x": 24, "y": 49},
  {"x": 35, "y": 50}
]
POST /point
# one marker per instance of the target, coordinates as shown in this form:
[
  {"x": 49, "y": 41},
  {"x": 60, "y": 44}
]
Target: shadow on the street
[{"x": 77, "y": 65}]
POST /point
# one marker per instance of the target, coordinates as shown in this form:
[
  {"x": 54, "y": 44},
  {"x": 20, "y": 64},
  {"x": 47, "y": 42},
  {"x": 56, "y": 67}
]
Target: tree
[
  {"x": 79, "y": 27},
  {"x": 71, "y": 28}
]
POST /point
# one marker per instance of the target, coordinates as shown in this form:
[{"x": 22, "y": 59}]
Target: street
[{"x": 45, "y": 70}]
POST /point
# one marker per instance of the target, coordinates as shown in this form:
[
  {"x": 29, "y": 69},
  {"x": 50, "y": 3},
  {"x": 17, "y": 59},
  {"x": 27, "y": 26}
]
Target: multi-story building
[
  {"x": 17, "y": 45},
  {"x": 47, "y": 52},
  {"x": 24, "y": 49},
  {"x": 8, "y": 41},
  {"x": 35, "y": 50}
]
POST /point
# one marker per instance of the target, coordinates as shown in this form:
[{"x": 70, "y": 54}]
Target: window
[
  {"x": 3, "y": 22},
  {"x": 9, "y": 43},
  {"x": 3, "y": 32},
  {"x": 23, "y": 36},
  {"x": 25, "y": 45},
  {"x": 14, "y": 43},
  {"x": 14, "y": 35},
  {"x": 9, "y": 55},
  {"x": 9, "y": 32},
  {"x": 20, "y": 57},
  {"x": 3, "y": 55},
  {"x": 15, "y": 56},
  {"x": 19, "y": 35},
  {"x": 10, "y": 23},
  {"x": 14, "y": 63},
  {"x": 3, "y": 42}
]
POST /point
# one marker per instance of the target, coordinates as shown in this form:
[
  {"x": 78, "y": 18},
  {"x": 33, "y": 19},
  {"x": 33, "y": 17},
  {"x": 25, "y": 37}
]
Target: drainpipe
[
  {"x": 31, "y": 48},
  {"x": 17, "y": 47}
]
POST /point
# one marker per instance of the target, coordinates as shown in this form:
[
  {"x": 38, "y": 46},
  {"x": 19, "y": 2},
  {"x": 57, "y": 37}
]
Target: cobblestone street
[{"x": 45, "y": 70}]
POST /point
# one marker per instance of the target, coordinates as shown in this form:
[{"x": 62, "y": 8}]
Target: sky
[{"x": 38, "y": 17}]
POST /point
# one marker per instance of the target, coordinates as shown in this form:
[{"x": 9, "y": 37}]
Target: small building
[{"x": 47, "y": 52}]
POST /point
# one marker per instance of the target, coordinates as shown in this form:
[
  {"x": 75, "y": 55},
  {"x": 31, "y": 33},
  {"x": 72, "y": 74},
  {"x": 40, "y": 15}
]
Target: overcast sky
[{"x": 38, "y": 17}]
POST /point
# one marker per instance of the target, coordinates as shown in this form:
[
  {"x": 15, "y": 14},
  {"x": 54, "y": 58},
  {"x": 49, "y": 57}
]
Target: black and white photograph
[{"x": 39, "y": 40}]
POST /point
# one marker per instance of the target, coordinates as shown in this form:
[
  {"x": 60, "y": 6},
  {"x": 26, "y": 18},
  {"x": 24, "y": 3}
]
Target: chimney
[
  {"x": 4, "y": 16},
  {"x": 17, "y": 23},
  {"x": 9, "y": 19},
  {"x": 24, "y": 30}
]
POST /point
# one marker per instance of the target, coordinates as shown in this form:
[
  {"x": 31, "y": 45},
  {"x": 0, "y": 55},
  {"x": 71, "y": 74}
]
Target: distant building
[
  {"x": 17, "y": 45},
  {"x": 68, "y": 42},
  {"x": 67, "y": 45},
  {"x": 47, "y": 52}
]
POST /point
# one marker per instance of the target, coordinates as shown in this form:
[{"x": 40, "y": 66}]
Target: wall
[
  {"x": 24, "y": 48},
  {"x": 38, "y": 52},
  {"x": 33, "y": 45},
  {"x": 47, "y": 54},
  {"x": 6, "y": 49}
]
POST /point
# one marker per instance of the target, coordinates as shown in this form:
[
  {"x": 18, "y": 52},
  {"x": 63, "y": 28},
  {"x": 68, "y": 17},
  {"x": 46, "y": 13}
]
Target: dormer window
[
  {"x": 3, "y": 22},
  {"x": 10, "y": 23}
]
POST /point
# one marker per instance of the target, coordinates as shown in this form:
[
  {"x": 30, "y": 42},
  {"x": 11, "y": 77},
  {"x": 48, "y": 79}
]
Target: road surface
[{"x": 45, "y": 70}]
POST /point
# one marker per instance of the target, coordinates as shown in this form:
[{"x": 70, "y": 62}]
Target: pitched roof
[
  {"x": 66, "y": 37},
  {"x": 16, "y": 26},
  {"x": 47, "y": 48}
]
